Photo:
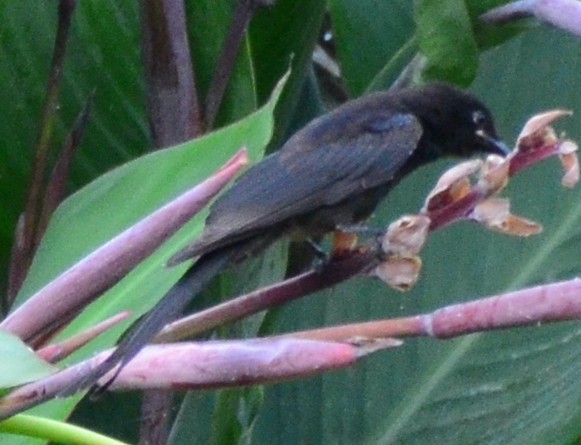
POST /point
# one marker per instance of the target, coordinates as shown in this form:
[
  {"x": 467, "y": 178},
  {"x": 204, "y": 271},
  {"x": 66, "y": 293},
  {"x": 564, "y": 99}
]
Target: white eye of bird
[{"x": 478, "y": 117}]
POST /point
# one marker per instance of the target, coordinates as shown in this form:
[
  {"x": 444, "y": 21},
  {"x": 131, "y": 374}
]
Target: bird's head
[{"x": 455, "y": 123}]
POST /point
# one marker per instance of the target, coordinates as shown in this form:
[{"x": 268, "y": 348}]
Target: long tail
[{"x": 167, "y": 309}]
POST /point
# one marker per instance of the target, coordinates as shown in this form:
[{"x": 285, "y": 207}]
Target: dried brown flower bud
[
  {"x": 494, "y": 214},
  {"x": 494, "y": 174},
  {"x": 406, "y": 236},
  {"x": 453, "y": 185},
  {"x": 401, "y": 273}
]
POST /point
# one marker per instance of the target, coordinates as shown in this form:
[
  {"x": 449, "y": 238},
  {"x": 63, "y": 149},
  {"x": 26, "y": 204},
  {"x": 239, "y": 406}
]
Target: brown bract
[
  {"x": 400, "y": 273},
  {"x": 494, "y": 214},
  {"x": 452, "y": 186},
  {"x": 537, "y": 131},
  {"x": 402, "y": 243}
]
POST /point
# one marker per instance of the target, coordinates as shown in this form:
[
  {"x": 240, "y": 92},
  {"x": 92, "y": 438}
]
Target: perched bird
[{"x": 331, "y": 173}]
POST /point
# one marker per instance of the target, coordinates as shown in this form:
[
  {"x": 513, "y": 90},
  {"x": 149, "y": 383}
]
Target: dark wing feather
[{"x": 289, "y": 184}]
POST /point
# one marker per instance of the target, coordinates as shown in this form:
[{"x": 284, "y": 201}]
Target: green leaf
[
  {"x": 446, "y": 39},
  {"x": 19, "y": 364},
  {"x": 370, "y": 37},
  {"x": 376, "y": 40},
  {"x": 118, "y": 199}
]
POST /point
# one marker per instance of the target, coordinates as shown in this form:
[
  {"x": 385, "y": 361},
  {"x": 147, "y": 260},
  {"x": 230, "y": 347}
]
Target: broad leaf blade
[
  {"x": 518, "y": 386},
  {"x": 18, "y": 364}
]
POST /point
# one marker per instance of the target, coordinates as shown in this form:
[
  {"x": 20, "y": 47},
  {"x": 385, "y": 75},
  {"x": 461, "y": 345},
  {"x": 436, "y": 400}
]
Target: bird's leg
[
  {"x": 343, "y": 244},
  {"x": 321, "y": 256}
]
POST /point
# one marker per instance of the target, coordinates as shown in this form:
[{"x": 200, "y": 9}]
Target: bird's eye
[{"x": 478, "y": 117}]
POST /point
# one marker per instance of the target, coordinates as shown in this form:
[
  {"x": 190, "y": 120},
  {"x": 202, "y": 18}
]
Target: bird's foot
[{"x": 321, "y": 256}]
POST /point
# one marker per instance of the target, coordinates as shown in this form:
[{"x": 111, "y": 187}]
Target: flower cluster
[{"x": 470, "y": 191}]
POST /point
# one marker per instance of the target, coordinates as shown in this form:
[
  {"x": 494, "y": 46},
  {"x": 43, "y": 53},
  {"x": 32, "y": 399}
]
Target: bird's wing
[{"x": 292, "y": 183}]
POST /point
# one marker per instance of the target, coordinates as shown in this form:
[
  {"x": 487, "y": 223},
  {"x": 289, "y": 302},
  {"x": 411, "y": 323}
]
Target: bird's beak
[
  {"x": 494, "y": 145},
  {"x": 500, "y": 147}
]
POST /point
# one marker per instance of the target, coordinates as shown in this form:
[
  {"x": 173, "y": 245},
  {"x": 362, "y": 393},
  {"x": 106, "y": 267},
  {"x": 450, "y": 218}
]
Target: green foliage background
[{"x": 515, "y": 387}]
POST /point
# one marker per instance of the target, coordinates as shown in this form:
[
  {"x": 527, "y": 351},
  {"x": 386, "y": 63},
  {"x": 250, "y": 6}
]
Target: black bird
[{"x": 331, "y": 173}]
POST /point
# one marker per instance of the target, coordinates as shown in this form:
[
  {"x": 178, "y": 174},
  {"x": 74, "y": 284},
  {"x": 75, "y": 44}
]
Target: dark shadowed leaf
[{"x": 371, "y": 36}]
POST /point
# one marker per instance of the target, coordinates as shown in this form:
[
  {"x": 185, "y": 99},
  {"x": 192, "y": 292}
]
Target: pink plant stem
[
  {"x": 454, "y": 212},
  {"x": 527, "y": 307},
  {"x": 525, "y": 159},
  {"x": 565, "y": 14},
  {"x": 56, "y": 352},
  {"x": 233, "y": 363},
  {"x": 211, "y": 364},
  {"x": 541, "y": 304},
  {"x": 280, "y": 293},
  {"x": 393, "y": 328}
]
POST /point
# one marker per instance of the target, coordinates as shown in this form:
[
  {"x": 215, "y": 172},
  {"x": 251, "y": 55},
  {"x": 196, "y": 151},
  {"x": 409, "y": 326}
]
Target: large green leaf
[{"x": 520, "y": 386}]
